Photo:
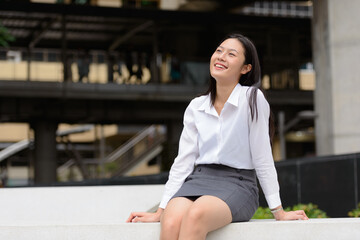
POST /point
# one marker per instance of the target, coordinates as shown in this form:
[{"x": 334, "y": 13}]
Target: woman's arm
[
  {"x": 145, "y": 216},
  {"x": 184, "y": 162},
  {"x": 261, "y": 152},
  {"x": 264, "y": 164}
]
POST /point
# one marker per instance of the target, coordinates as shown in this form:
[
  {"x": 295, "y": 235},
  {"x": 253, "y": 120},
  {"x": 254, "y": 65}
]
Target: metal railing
[
  {"x": 142, "y": 147},
  {"x": 23, "y": 144},
  {"x": 331, "y": 182},
  {"x": 280, "y": 9}
]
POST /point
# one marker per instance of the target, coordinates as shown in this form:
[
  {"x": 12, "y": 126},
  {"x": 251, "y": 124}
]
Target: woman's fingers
[
  {"x": 133, "y": 216},
  {"x": 301, "y": 215},
  {"x": 130, "y": 218},
  {"x": 293, "y": 215},
  {"x": 297, "y": 215},
  {"x": 143, "y": 217}
]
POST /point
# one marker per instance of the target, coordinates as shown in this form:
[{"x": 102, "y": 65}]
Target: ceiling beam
[
  {"x": 44, "y": 27},
  {"x": 123, "y": 38}
]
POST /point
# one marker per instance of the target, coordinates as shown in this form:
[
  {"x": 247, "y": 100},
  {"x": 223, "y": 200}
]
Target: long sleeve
[
  {"x": 261, "y": 153},
  {"x": 184, "y": 163}
]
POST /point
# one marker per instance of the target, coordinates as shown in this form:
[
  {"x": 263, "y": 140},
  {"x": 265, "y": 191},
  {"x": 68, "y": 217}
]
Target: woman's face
[{"x": 227, "y": 62}]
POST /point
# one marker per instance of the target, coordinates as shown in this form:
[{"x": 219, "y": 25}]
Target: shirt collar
[
  {"x": 207, "y": 106},
  {"x": 234, "y": 96},
  {"x": 233, "y": 100}
]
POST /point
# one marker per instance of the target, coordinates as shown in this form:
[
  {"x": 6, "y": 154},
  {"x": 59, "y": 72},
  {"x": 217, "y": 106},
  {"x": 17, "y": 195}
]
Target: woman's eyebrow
[{"x": 230, "y": 49}]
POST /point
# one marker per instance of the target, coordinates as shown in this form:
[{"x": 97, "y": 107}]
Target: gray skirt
[{"x": 236, "y": 187}]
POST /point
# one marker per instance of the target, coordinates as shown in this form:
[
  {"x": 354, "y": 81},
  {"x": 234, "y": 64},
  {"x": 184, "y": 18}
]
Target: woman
[{"x": 224, "y": 145}]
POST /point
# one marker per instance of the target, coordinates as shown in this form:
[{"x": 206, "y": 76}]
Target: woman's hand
[
  {"x": 145, "y": 216},
  {"x": 291, "y": 215}
]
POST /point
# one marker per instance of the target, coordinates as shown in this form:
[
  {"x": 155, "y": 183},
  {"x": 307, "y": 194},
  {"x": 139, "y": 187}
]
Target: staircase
[{"x": 143, "y": 147}]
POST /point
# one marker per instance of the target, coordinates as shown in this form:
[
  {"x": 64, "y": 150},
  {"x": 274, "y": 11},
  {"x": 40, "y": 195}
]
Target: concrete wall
[
  {"x": 336, "y": 48},
  {"x": 75, "y": 205}
]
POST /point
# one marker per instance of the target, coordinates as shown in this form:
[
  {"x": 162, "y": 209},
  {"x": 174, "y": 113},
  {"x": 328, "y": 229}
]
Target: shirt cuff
[
  {"x": 273, "y": 200},
  {"x": 164, "y": 202}
]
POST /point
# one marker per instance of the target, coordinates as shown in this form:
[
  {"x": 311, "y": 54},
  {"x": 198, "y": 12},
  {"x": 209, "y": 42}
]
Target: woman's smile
[{"x": 220, "y": 66}]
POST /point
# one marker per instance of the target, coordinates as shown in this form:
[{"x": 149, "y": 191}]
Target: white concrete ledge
[
  {"x": 99, "y": 205},
  {"x": 95, "y": 213},
  {"x": 319, "y": 229}
]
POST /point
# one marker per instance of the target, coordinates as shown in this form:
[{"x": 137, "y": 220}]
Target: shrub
[
  {"x": 310, "y": 209},
  {"x": 355, "y": 212},
  {"x": 263, "y": 213}
]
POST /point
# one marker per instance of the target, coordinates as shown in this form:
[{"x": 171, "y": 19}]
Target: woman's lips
[{"x": 220, "y": 66}]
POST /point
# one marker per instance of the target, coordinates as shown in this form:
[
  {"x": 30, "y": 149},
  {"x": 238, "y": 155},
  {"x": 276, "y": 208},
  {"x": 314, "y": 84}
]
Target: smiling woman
[
  {"x": 227, "y": 58},
  {"x": 224, "y": 146}
]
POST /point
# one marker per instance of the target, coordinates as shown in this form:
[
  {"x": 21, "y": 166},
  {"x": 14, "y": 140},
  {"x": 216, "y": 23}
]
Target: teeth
[{"x": 219, "y": 66}]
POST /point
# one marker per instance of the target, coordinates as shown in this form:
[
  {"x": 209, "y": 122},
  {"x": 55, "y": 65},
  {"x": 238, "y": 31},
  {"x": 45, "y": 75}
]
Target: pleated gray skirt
[{"x": 236, "y": 187}]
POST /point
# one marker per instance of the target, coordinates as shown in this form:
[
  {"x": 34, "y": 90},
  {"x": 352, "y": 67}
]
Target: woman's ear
[{"x": 246, "y": 68}]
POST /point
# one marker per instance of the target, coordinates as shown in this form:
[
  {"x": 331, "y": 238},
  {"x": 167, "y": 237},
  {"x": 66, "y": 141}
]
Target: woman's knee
[
  {"x": 195, "y": 215},
  {"x": 175, "y": 211},
  {"x": 171, "y": 222}
]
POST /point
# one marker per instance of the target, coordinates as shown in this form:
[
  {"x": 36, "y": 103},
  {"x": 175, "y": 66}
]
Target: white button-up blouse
[{"x": 231, "y": 138}]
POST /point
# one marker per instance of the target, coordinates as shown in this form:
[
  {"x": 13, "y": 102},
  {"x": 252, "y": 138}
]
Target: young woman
[{"x": 224, "y": 145}]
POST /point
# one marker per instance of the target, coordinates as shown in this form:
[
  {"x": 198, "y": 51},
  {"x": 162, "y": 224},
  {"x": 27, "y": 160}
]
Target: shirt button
[
  {"x": 199, "y": 169},
  {"x": 241, "y": 178}
]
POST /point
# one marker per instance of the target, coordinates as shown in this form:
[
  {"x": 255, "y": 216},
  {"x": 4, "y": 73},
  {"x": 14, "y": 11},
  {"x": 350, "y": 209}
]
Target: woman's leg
[
  {"x": 172, "y": 217},
  {"x": 206, "y": 214}
]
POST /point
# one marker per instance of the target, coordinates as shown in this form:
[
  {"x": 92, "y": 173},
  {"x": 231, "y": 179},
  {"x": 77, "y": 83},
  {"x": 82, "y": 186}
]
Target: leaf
[{"x": 5, "y": 36}]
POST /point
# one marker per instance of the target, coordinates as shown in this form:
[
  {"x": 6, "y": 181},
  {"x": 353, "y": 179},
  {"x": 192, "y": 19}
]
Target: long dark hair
[{"x": 251, "y": 78}]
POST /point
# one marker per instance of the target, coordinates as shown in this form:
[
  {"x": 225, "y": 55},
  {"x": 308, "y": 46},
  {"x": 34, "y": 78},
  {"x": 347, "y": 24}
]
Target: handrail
[
  {"x": 124, "y": 157},
  {"x": 78, "y": 129},
  {"x": 147, "y": 155},
  {"x": 23, "y": 144},
  {"x": 138, "y": 149},
  {"x": 65, "y": 166},
  {"x": 14, "y": 148},
  {"x": 117, "y": 153}
]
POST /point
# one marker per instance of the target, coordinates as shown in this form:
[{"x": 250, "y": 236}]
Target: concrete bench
[
  {"x": 100, "y": 213},
  {"x": 318, "y": 229}
]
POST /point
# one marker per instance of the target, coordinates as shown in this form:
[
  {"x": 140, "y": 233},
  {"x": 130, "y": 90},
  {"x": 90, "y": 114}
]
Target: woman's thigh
[{"x": 212, "y": 212}]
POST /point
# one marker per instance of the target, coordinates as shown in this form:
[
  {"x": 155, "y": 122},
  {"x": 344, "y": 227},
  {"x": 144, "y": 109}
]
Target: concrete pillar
[
  {"x": 110, "y": 67},
  {"x": 45, "y": 152},
  {"x": 336, "y": 48}
]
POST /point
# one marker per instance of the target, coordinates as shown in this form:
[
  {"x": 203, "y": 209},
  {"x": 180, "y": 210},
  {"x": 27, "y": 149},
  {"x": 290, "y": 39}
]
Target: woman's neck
[{"x": 223, "y": 93}]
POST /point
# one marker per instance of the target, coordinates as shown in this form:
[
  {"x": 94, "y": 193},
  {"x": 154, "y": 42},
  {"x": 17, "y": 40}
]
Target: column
[
  {"x": 336, "y": 49},
  {"x": 45, "y": 152}
]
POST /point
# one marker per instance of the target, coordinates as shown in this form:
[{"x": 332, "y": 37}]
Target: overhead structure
[{"x": 283, "y": 43}]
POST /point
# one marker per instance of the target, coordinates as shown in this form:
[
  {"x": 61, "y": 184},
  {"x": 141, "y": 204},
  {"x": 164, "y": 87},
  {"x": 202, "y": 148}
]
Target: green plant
[
  {"x": 5, "y": 36},
  {"x": 310, "y": 209},
  {"x": 355, "y": 212},
  {"x": 263, "y": 213},
  {"x": 111, "y": 167}
]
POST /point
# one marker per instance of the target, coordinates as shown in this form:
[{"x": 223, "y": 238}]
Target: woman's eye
[
  {"x": 231, "y": 54},
  {"x": 218, "y": 50}
]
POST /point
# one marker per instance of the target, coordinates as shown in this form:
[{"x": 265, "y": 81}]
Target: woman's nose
[{"x": 221, "y": 56}]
